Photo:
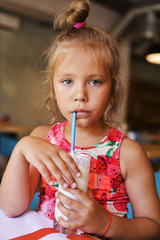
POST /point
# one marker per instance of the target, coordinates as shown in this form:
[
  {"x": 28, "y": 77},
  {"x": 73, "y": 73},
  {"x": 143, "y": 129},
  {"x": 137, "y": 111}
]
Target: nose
[{"x": 81, "y": 94}]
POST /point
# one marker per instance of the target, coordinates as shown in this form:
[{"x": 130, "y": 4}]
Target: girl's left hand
[{"x": 87, "y": 215}]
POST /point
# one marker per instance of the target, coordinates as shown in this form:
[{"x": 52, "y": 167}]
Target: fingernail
[
  {"x": 56, "y": 194},
  {"x": 78, "y": 174},
  {"x": 74, "y": 185},
  {"x": 65, "y": 185},
  {"x": 51, "y": 183}
]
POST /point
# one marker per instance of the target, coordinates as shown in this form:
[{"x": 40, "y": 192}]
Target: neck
[{"x": 86, "y": 137}]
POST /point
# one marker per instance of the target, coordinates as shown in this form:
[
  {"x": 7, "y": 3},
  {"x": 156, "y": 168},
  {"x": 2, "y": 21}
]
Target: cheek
[
  {"x": 101, "y": 104},
  {"x": 62, "y": 103},
  {"x": 58, "y": 93},
  {"x": 102, "y": 99}
]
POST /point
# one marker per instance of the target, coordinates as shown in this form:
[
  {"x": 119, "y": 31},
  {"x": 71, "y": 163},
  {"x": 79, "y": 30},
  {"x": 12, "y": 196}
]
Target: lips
[{"x": 82, "y": 113}]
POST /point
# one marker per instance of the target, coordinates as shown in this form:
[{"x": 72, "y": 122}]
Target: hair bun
[{"x": 76, "y": 13}]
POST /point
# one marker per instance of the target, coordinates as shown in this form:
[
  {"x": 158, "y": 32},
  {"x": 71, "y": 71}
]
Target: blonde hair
[{"x": 100, "y": 44}]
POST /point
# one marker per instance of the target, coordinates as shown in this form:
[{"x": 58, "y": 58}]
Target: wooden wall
[{"x": 144, "y": 97}]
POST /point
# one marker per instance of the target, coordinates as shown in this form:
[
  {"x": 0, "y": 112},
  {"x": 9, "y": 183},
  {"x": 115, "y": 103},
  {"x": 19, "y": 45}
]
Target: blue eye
[
  {"x": 95, "y": 82},
  {"x": 67, "y": 82}
]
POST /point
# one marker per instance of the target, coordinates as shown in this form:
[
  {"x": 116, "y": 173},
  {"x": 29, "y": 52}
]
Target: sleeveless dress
[{"x": 106, "y": 181}]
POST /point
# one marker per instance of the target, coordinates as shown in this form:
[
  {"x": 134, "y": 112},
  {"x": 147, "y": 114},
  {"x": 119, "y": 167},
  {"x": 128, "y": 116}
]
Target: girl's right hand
[{"x": 47, "y": 157}]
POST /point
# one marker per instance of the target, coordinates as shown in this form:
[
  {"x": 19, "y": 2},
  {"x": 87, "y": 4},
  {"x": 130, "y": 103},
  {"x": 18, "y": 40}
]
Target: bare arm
[
  {"x": 140, "y": 184},
  {"x": 31, "y": 157},
  {"x": 19, "y": 181},
  {"x": 141, "y": 189}
]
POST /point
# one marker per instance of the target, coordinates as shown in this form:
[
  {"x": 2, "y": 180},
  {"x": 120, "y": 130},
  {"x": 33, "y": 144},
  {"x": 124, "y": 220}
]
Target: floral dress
[{"x": 105, "y": 181}]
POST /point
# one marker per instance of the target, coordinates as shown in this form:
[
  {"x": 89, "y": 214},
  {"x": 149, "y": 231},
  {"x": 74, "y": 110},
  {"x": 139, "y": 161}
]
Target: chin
[{"x": 82, "y": 123}]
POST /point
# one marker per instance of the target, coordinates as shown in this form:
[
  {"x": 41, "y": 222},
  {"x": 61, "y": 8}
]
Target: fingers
[
  {"x": 64, "y": 168},
  {"x": 69, "y": 224},
  {"x": 61, "y": 165},
  {"x": 47, "y": 167},
  {"x": 74, "y": 204},
  {"x": 49, "y": 158},
  {"x": 44, "y": 172},
  {"x": 69, "y": 213},
  {"x": 74, "y": 219},
  {"x": 80, "y": 195},
  {"x": 77, "y": 212},
  {"x": 87, "y": 215},
  {"x": 70, "y": 163},
  {"x": 60, "y": 169}
]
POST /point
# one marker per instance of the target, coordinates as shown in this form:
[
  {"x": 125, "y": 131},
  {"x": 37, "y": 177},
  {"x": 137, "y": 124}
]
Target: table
[
  {"x": 18, "y": 130},
  {"x": 32, "y": 226},
  {"x": 152, "y": 150}
]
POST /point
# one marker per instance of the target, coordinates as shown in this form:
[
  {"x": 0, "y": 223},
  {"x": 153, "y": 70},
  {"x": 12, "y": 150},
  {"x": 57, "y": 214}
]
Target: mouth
[{"x": 82, "y": 113}]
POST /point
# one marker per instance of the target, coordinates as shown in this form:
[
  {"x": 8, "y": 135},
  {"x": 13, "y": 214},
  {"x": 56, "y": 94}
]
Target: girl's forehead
[
  {"x": 76, "y": 55},
  {"x": 76, "y": 61}
]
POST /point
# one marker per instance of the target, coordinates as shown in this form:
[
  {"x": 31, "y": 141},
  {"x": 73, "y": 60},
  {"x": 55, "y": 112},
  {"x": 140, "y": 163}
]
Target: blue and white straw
[{"x": 73, "y": 131}]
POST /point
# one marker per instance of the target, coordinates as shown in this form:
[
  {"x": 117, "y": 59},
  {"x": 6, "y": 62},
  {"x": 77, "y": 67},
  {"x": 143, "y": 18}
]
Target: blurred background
[{"x": 26, "y": 32}]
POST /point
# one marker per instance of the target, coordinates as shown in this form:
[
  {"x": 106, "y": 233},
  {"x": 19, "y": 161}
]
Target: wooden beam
[
  {"x": 40, "y": 10},
  {"x": 9, "y": 21}
]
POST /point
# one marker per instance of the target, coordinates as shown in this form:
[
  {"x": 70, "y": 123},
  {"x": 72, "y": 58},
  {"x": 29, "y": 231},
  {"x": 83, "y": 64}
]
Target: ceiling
[
  {"x": 140, "y": 22},
  {"x": 124, "y": 6},
  {"x": 139, "y": 19}
]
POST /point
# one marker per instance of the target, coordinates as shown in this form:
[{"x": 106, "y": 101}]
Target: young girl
[{"x": 83, "y": 70}]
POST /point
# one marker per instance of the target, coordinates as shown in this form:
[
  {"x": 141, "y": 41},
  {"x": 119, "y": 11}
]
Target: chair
[
  {"x": 35, "y": 202},
  {"x": 7, "y": 143}
]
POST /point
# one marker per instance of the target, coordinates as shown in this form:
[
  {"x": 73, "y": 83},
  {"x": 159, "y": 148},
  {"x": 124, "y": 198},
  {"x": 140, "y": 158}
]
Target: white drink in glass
[{"x": 83, "y": 163}]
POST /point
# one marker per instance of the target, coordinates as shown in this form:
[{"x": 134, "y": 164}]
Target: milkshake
[{"x": 83, "y": 163}]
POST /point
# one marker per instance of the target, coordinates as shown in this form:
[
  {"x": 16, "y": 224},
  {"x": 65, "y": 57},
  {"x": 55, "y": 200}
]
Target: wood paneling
[{"x": 144, "y": 106}]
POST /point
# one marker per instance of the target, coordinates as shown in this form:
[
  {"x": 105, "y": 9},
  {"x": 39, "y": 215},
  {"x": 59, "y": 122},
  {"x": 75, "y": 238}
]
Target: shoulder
[
  {"x": 130, "y": 147},
  {"x": 41, "y": 131},
  {"x": 139, "y": 180},
  {"x": 132, "y": 157}
]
